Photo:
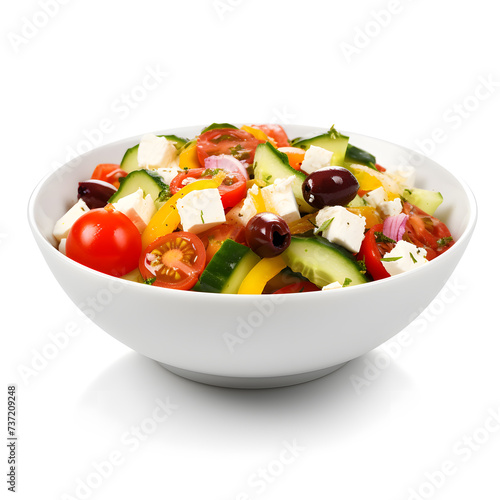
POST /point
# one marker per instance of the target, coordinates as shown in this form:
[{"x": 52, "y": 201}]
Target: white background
[{"x": 416, "y": 79}]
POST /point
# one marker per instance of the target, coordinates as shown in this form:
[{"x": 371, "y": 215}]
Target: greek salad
[{"x": 247, "y": 210}]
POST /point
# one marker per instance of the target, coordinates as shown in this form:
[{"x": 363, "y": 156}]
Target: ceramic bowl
[{"x": 243, "y": 340}]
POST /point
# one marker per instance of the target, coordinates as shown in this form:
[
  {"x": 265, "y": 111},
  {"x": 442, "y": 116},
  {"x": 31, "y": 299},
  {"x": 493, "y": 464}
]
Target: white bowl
[{"x": 243, "y": 340}]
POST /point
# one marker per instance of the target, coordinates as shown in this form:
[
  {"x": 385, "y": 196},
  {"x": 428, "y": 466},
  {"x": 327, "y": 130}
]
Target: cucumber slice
[
  {"x": 129, "y": 161},
  {"x": 426, "y": 200},
  {"x": 358, "y": 156},
  {"x": 217, "y": 125},
  {"x": 270, "y": 164},
  {"x": 147, "y": 180},
  {"x": 227, "y": 269},
  {"x": 357, "y": 202},
  {"x": 322, "y": 262},
  {"x": 332, "y": 141}
]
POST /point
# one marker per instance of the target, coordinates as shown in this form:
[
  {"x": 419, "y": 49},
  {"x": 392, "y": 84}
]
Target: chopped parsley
[
  {"x": 210, "y": 172},
  {"x": 202, "y": 219},
  {"x": 361, "y": 265},
  {"x": 442, "y": 242},
  {"x": 164, "y": 195},
  {"x": 390, "y": 259},
  {"x": 150, "y": 281},
  {"x": 413, "y": 258},
  {"x": 239, "y": 152},
  {"x": 347, "y": 281},
  {"x": 380, "y": 237},
  {"x": 324, "y": 226}
]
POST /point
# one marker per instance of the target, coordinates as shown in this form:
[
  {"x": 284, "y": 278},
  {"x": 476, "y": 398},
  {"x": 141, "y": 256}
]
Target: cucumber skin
[
  {"x": 296, "y": 259},
  {"x": 216, "y": 278},
  {"x": 124, "y": 191},
  {"x": 332, "y": 141},
  {"x": 283, "y": 170},
  {"x": 217, "y": 126}
]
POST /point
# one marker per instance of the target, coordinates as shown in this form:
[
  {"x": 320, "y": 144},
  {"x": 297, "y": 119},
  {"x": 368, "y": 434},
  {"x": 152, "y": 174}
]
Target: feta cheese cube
[
  {"x": 376, "y": 197},
  {"x": 200, "y": 210},
  {"x": 316, "y": 158},
  {"x": 248, "y": 210},
  {"x": 62, "y": 246},
  {"x": 279, "y": 199},
  {"x": 63, "y": 225},
  {"x": 391, "y": 208},
  {"x": 332, "y": 286},
  {"x": 342, "y": 227},
  {"x": 137, "y": 208},
  {"x": 404, "y": 257},
  {"x": 155, "y": 152},
  {"x": 169, "y": 173}
]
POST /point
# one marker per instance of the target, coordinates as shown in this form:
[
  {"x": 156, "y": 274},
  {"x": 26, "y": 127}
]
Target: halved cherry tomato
[
  {"x": 226, "y": 141},
  {"x": 109, "y": 172},
  {"x": 424, "y": 230},
  {"x": 380, "y": 168},
  {"x": 213, "y": 238},
  {"x": 371, "y": 252},
  {"x": 232, "y": 189},
  {"x": 295, "y": 156},
  {"x": 105, "y": 240},
  {"x": 276, "y": 132},
  {"x": 173, "y": 261},
  {"x": 301, "y": 286}
]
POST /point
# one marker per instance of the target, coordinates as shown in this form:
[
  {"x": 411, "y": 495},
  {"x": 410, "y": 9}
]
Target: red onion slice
[
  {"x": 228, "y": 163},
  {"x": 394, "y": 226}
]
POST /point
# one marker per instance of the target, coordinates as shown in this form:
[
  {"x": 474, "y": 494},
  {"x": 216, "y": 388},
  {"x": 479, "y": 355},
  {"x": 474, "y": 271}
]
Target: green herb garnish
[
  {"x": 150, "y": 281},
  {"x": 324, "y": 226},
  {"x": 202, "y": 219},
  {"x": 442, "y": 242},
  {"x": 382, "y": 238},
  {"x": 413, "y": 258},
  {"x": 347, "y": 281},
  {"x": 390, "y": 259}
]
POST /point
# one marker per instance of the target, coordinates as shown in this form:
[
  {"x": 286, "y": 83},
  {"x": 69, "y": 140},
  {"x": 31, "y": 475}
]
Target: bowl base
[{"x": 251, "y": 382}]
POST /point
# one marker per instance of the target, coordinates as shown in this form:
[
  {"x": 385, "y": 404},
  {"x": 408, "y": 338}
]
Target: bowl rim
[{"x": 457, "y": 247}]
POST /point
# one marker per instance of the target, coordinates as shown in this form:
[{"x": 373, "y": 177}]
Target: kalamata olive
[
  {"x": 330, "y": 186},
  {"x": 267, "y": 234},
  {"x": 95, "y": 193}
]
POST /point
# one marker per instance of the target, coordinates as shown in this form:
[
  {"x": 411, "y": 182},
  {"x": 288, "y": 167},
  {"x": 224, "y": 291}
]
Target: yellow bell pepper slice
[
  {"x": 261, "y": 273},
  {"x": 188, "y": 157},
  {"x": 167, "y": 219},
  {"x": 366, "y": 181},
  {"x": 258, "y": 201},
  {"x": 369, "y": 213},
  {"x": 259, "y": 134}
]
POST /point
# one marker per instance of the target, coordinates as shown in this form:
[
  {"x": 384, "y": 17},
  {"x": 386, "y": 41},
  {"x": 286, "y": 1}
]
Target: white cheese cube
[
  {"x": 200, "y": 210},
  {"x": 404, "y": 257},
  {"x": 169, "y": 173},
  {"x": 376, "y": 197},
  {"x": 63, "y": 225},
  {"x": 248, "y": 210},
  {"x": 137, "y": 208},
  {"x": 155, "y": 152},
  {"x": 342, "y": 227},
  {"x": 279, "y": 199},
  {"x": 62, "y": 246},
  {"x": 391, "y": 208},
  {"x": 332, "y": 286},
  {"x": 316, "y": 158}
]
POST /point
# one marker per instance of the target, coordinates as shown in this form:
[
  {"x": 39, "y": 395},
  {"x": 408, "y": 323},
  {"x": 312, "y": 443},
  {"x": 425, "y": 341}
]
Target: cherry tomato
[
  {"x": 276, "y": 132},
  {"x": 213, "y": 238},
  {"x": 226, "y": 141},
  {"x": 424, "y": 230},
  {"x": 371, "y": 252},
  {"x": 109, "y": 172},
  {"x": 105, "y": 240},
  {"x": 301, "y": 286},
  {"x": 232, "y": 190},
  {"x": 173, "y": 261}
]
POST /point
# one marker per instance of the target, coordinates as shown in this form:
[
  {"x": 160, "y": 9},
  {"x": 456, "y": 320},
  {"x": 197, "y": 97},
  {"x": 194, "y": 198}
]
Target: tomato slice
[
  {"x": 301, "y": 286},
  {"x": 226, "y": 141},
  {"x": 173, "y": 261},
  {"x": 276, "y": 132},
  {"x": 371, "y": 252},
  {"x": 105, "y": 240},
  {"x": 424, "y": 230},
  {"x": 213, "y": 238},
  {"x": 232, "y": 190},
  {"x": 109, "y": 172}
]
